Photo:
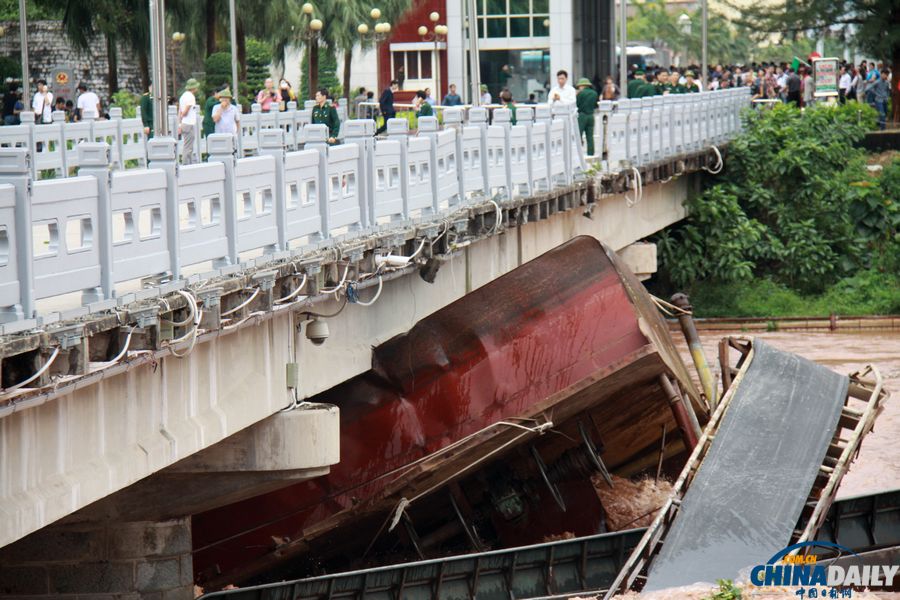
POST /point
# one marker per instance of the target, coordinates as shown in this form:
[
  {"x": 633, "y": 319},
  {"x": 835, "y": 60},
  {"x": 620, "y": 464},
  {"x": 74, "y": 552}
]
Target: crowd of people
[
  {"x": 783, "y": 82},
  {"x": 44, "y": 104}
]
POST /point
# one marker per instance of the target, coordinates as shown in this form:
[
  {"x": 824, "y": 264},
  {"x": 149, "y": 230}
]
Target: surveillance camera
[{"x": 317, "y": 332}]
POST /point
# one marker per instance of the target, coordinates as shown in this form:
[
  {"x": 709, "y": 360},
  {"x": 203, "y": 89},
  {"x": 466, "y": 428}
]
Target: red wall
[{"x": 406, "y": 30}]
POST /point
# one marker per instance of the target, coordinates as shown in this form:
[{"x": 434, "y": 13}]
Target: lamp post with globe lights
[
  {"x": 378, "y": 33},
  {"x": 685, "y": 24},
  {"x": 177, "y": 39},
  {"x": 437, "y": 35},
  {"x": 313, "y": 27}
]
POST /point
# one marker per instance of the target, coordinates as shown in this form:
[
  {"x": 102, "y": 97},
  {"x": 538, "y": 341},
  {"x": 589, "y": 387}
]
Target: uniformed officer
[
  {"x": 690, "y": 86},
  {"x": 324, "y": 113},
  {"x": 147, "y": 112},
  {"x": 637, "y": 87},
  {"x": 586, "y": 102}
]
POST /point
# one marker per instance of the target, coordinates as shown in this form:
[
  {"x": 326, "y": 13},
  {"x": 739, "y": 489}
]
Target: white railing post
[
  {"x": 271, "y": 143},
  {"x": 317, "y": 139},
  {"x": 525, "y": 118},
  {"x": 16, "y": 170},
  {"x": 562, "y": 111},
  {"x": 94, "y": 158},
  {"x": 161, "y": 154},
  {"x": 115, "y": 114},
  {"x": 454, "y": 118},
  {"x": 221, "y": 149},
  {"x": 478, "y": 116},
  {"x": 398, "y": 130},
  {"x": 27, "y": 118},
  {"x": 601, "y": 133},
  {"x": 502, "y": 118},
  {"x": 362, "y": 133},
  {"x": 428, "y": 128}
]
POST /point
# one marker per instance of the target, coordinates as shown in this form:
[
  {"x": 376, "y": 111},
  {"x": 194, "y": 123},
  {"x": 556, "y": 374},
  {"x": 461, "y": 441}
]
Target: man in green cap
[
  {"x": 187, "y": 119},
  {"x": 324, "y": 113},
  {"x": 586, "y": 102},
  {"x": 636, "y": 85},
  {"x": 690, "y": 86}
]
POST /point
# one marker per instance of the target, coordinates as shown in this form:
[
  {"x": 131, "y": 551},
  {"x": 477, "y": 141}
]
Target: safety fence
[{"x": 89, "y": 232}]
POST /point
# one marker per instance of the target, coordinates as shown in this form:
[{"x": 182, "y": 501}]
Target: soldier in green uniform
[
  {"x": 663, "y": 85},
  {"x": 690, "y": 86},
  {"x": 586, "y": 102},
  {"x": 324, "y": 113},
  {"x": 209, "y": 126},
  {"x": 147, "y": 112},
  {"x": 423, "y": 108},
  {"x": 635, "y": 86}
]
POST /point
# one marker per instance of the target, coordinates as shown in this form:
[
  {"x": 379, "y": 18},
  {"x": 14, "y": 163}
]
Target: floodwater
[{"x": 878, "y": 466}]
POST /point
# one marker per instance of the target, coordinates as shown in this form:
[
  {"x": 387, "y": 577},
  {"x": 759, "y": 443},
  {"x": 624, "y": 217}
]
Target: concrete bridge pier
[{"x": 136, "y": 543}]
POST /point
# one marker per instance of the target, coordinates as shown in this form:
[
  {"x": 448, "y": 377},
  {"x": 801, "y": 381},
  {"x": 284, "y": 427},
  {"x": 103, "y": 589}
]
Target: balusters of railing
[
  {"x": 601, "y": 132},
  {"x": 561, "y": 113},
  {"x": 525, "y": 118},
  {"x": 309, "y": 104},
  {"x": 478, "y": 117},
  {"x": 454, "y": 118},
  {"x": 428, "y": 128},
  {"x": 15, "y": 169},
  {"x": 94, "y": 158},
  {"x": 398, "y": 130},
  {"x": 221, "y": 149},
  {"x": 161, "y": 154},
  {"x": 362, "y": 133},
  {"x": 271, "y": 143},
  {"x": 317, "y": 139}
]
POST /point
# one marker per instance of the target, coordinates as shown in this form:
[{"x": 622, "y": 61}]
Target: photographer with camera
[{"x": 269, "y": 97}]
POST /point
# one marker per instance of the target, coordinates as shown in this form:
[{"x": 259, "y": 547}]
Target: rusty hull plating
[{"x": 570, "y": 337}]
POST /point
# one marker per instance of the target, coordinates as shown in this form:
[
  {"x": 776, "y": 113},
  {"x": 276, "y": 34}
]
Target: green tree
[
  {"x": 872, "y": 25},
  {"x": 654, "y": 23},
  {"x": 796, "y": 205}
]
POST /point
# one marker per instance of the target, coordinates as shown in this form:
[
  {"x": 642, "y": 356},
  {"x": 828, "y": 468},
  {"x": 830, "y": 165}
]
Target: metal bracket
[
  {"x": 265, "y": 280},
  {"x": 146, "y": 316},
  {"x": 69, "y": 336}
]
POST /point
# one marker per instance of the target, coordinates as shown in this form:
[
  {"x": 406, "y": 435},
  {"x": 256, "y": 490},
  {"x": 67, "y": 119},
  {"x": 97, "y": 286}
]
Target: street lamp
[
  {"x": 314, "y": 26},
  {"x": 378, "y": 33},
  {"x": 684, "y": 23},
  {"x": 438, "y": 35},
  {"x": 177, "y": 40}
]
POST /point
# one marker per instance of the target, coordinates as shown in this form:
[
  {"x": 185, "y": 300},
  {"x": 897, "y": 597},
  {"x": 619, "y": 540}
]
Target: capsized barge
[{"x": 479, "y": 428}]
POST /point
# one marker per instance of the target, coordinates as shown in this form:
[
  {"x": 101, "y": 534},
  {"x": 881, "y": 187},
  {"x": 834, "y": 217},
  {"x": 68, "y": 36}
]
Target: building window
[
  {"x": 513, "y": 18},
  {"x": 417, "y": 68}
]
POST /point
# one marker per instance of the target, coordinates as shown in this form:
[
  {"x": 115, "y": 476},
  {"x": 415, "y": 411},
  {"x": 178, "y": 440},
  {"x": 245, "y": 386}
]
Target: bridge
[{"x": 163, "y": 324}]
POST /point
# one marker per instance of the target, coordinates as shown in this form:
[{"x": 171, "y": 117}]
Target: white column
[
  {"x": 562, "y": 33},
  {"x": 455, "y": 47}
]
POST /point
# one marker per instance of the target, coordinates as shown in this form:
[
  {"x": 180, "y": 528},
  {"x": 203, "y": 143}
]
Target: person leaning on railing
[{"x": 323, "y": 113}]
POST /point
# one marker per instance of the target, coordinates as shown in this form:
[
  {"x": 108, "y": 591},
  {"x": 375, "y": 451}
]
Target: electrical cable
[
  {"x": 192, "y": 334},
  {"x": 638, "y": 189},
  {"x": 293, "y": 294},
  {"x": 498, "y": 220},
  {"x": 39, "y": 372},
  {"x": 242, "y": 304},
  {"x": 339, "y": 285},
  {"x": 374, "y": 298},
  {"x": 720, "y": 164}
]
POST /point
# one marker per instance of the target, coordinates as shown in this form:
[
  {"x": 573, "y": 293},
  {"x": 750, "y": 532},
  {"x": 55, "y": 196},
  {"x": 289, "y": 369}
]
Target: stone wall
[
  {"x": 110, "y": 561},
  {"x": 49, "y": 49}
]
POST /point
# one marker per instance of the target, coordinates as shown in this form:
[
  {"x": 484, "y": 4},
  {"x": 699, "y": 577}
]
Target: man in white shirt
[
  {"x": 86, "y": 101},
  {"x": 844, "y": 84},
  {"x": 42, "y": 103},
  {"x": 188, "y": 120},
  {"x": 225, "y": 114},
  {"x": 562, "y": 91}
]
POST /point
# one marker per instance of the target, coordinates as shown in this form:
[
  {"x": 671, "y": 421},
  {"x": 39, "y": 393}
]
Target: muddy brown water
[{"x": 878, "y": 466}]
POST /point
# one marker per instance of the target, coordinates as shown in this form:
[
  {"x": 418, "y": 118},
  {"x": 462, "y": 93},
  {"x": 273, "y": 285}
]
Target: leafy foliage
[
  {"x": 727, "y": 591},
  {"x": 10, "y": 68},
  {"x": 127, "y": 101},
  {"x": 654, "y": 22},
  {"x": 328, "y": 77},
  {"x": 796, "y": 205}
]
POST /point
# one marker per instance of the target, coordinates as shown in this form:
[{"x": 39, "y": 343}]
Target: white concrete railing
[{"x": 105, "y": 227}]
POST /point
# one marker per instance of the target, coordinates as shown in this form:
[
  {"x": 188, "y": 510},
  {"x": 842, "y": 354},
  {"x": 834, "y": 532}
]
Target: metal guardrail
[
  {"x": 104, "y": 227},
  {"x": 559, "y": 568}
]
